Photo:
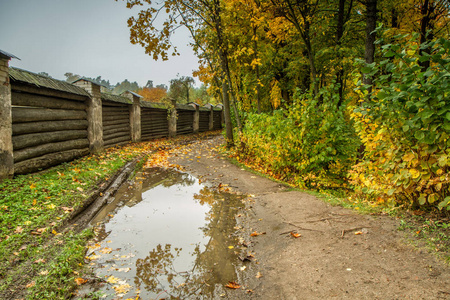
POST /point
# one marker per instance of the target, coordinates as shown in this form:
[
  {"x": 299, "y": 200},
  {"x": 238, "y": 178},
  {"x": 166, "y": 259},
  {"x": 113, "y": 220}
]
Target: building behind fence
[{"x": 44, "y": 121}]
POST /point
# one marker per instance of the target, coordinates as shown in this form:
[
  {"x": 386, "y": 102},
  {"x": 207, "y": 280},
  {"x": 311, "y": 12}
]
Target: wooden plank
[
  {"x": 48, "y": 160},
  {"x": 48, "y": 126},
  {"x": 35, "y": 139},
  {"x": 25, "y": 99},
  {"x": 114, "y": 135},
  {"x": 116, "y": 117},
  {"x": 115, "y": 108},
  {"x": 31, "y": 89},
  {"x": 40, "y": 150},
  {"x": 23, "y": 114},
  {"x": 116, "y": 141},
  {"x": 109, "y": 130},
  {"x": 112, "y": 104},
  {"x": 115, "y": 122}
]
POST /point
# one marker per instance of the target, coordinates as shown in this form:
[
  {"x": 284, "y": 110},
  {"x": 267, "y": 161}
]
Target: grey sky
[{"x": 85, "y": 37}]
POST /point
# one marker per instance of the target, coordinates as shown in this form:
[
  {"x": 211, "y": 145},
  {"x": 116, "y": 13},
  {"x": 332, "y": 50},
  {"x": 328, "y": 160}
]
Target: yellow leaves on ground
[
  {"x": 106, "y": 250},
  {"x": 122, "y": 289},
  {"x": 80, "y": 281},
  {"x": 254, "y": 233},
  {"x": 113, "y": 280},
  {"x": 232, "y": 285},
  {"x": 295, "y": 235}
]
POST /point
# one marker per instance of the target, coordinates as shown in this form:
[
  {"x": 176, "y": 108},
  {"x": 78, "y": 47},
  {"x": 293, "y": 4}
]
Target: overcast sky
[{"x": 85, "y": 37}]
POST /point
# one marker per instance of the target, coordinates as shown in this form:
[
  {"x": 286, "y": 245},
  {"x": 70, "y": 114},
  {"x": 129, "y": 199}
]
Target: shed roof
[
  {"x": 149, "y": 104},
  {"x": 89, "y": 80},
  {"x": 42, "y": 81},
  {"x": 132, "y": 93},
  {"x": 7, "y": 55},
  {"x": 116, "y": 98}
]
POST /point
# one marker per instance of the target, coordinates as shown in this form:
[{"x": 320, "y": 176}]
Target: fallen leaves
[
  {"x": 254, "y": 233},
  {"x": 113, "y": 280},
  {"x": 232, "y": 285},
  {"x": 80, "y": 281},
  {"x": 122, "y": 289},
  {"x": 295, "y": 235}
]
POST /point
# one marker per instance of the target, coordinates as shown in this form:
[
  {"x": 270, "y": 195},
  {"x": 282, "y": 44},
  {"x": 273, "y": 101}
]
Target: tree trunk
[
  {"x": 339, "y": 34},
  {"x": 425, "y": 24},
  {"x": 371, "y": 23},
  {"x": 258, "y": 80},
  {"x": 224, "y": 65}
]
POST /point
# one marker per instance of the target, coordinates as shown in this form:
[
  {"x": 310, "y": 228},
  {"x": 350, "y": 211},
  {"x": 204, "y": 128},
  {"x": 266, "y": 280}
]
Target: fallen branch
[
  {"x": 352, "y": 229},
  {"x": 302, "y": 228}
]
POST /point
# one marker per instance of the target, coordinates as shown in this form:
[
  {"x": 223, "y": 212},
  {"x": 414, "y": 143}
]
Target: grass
[{"x": 38, "y": 259}]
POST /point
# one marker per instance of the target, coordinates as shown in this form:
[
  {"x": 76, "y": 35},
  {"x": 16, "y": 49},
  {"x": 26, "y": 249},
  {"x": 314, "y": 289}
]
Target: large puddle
[{"x": 167, "y": 236}]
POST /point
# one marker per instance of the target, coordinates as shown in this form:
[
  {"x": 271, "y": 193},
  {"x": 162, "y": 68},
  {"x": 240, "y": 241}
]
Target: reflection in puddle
[{"x": 172, "y": 239}]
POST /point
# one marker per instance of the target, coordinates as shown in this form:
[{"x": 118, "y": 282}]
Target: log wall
[
  {"x": 154, "y": 123},
  {"x": 185, "y": 121},
  {"x": 46, "y": 130},
  {"x": 116, "y": 123},
  {"x": 217, "y": 120},
  {"x": 204, "y": 121},
  {"x": 47, "y": 122}
]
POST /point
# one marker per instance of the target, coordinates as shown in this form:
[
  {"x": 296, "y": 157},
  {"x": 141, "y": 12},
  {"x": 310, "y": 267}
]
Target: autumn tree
[
  {"x": 180, "y": 87},
  {"x": 198, "y": 14},
  {"x": 155, "y": 94}
]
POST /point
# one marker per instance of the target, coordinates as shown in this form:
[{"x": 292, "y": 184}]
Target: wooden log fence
[{"x": 53, "y": 121}]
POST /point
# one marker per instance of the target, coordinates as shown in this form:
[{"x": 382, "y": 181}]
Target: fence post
[
  {"x": 222, "y": 118},
  {"x": 94, "y": 114},
  {"x": 211, "y": 116},
  {"x": 135, "y": 115},
  {"x": 6, "y": 146},
  {"x": 196, "y": 124},
  {"x": 173, "y": 119}
]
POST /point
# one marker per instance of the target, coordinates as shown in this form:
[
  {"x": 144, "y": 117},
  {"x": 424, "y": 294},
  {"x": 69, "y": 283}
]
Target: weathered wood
[
  {"x": 117, "y": 141},
  {"x": 115, "y": 135},
  {"x": 116, "y": 108},
  {"x": 22, "y": 114},
  {"x": 114, "y": 130},
  {"x": 154, "y": 119},
  {"x": 40, "y": 150},
  {"x": 117, "y": 126},
  {"x": 25, "y": 99},
  {"x": 17, "y": 87},
  {"x": 116, "y": 117},
  {"x": 154, "y": 136},
  {"x": 106, "y": 103},
  {"x": 115, "y": 122},
  {"x": 33, "y": 127},
  {"x": 34, "y": 139},
  {"x": 48, "y": 160},
  {"x": 114, "y": 113}
]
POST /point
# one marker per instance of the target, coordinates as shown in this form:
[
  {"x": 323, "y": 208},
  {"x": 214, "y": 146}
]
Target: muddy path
[{"x": 339, "y": 254}]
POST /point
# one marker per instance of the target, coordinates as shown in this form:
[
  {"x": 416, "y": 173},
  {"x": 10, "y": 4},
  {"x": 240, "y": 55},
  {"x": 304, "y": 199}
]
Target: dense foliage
[
  {"x": 317, "y": 94},
  {"x": 405, "y": 125}
]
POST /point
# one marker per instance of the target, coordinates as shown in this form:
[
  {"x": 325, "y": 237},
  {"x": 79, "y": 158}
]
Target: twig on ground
[{"x": 302, "y": 228}]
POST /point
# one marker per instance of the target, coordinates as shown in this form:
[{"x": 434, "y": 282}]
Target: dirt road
[{"x": 340, "y": 253}]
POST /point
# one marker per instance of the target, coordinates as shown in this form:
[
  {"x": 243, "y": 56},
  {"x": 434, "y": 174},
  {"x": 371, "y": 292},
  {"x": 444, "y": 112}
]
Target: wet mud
[{"x": 166, "y": 236}]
